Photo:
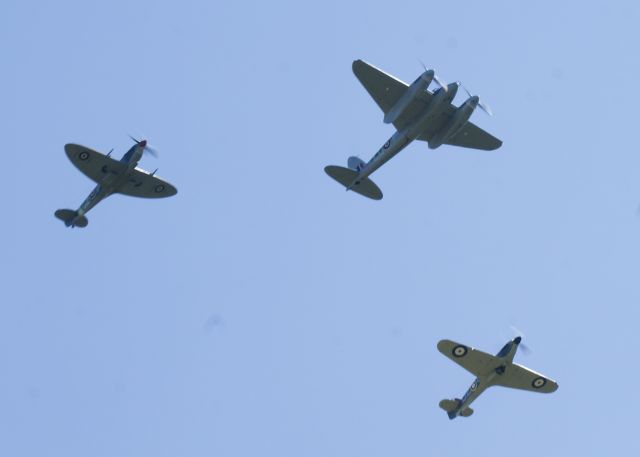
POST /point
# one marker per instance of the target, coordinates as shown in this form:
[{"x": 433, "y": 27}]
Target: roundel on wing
[
  {"x": 84, "y": 155},
  {"x": 459, "y": 351},
  {"x": 159, "y": 188},
  {"x": 538, "y": 382}
]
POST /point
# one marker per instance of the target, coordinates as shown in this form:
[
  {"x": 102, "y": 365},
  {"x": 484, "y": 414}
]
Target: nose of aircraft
[
  {"x": 428, "y": 74},
  {"x": 452, "y": 89},
  {"x": 142, "y": 143},
  {"x": 517, "y": 339}
]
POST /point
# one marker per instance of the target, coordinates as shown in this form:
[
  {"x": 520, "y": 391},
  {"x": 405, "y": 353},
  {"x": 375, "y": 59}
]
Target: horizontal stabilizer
[
  {"x": 349, "y": 179},
  {"x": 71, "y": 218},
  {"x": 449, "y": 405}
]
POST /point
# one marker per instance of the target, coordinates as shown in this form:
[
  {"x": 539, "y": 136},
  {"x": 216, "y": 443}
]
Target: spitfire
[
  {"x": 417, "y": 114},
  {"x": 112, "y": 176},
  {"x": 490, "y": 370}
]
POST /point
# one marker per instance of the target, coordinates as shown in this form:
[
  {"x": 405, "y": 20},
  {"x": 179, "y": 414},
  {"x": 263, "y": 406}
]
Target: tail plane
[
  {"x": 451, "y": 407},
  {"x": 71, "y": 218},
  {"x": 351, "y": 179}
]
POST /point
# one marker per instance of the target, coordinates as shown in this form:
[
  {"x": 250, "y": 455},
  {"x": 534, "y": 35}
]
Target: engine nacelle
[
  {"x": 457, "y": 120},
  {"x": 409, "y": 96}
]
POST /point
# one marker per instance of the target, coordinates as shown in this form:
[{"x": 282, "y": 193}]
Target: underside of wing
[
  {"x": 476, "y": 362},
  {"x": 95, "y": 165},
  {"x": 519, "y": 377},
  {"x": 472, "y": 136},
  {"x": 385, "y": 89},
  {"x": 145, "y": 185}
]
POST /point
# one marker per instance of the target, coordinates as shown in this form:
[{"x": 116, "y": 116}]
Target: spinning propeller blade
[
  {"x": 526, "y": 350},
  {"x": 439, "y": 82},
  {"x": 481, "y": 104},
  {"x": 146, "y": 147}
]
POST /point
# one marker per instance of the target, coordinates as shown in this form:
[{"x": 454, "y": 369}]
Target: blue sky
[{"x": 263, "y": 310}]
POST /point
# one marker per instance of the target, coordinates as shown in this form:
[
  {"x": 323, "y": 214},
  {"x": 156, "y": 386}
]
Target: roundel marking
[
  {"x": 459, "y": 351},
  {"x": 159, "y": 188},
  {"x": 387, "y": 144},
  {"x": 538, "y": 383},
  {"x": 84, "y": 155}
]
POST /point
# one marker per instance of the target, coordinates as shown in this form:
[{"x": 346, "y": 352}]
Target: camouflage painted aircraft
[
  {"x": 112, "y": 176},
  {"x": 498, "y": 370},
  {"x": 417, "y": 114}
]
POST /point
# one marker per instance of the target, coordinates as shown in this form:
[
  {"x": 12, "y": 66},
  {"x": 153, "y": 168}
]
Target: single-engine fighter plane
[
  {"x": 417, "y": 114},
  {"x": 112, "y": 176},
  {"x": 498, "y": 370}
]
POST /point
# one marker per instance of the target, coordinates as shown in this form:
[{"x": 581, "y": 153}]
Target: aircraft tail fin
[
  {"x": 451, "y": 407},
  {"x": 356, "y": 163},
  {"x": 349, "y": 178},
  {"x": 71, "y": 218}
]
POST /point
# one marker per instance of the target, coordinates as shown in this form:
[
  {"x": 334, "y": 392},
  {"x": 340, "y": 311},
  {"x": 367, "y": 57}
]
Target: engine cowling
[{"x": 409, "y": 96}]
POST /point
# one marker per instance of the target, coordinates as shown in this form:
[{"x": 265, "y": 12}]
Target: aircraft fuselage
[
  {"x": 111, "y": 182},
  {"x": 481, "y": 383},
  {"x": 402, "y": 138}
]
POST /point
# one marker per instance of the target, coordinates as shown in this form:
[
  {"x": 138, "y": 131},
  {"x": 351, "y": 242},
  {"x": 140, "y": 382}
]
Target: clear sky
[{"x": 264, "y": 311}]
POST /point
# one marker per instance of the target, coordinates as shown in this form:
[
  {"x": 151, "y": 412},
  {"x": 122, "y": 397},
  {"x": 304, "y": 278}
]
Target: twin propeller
[{"x": 443, "y": 86}]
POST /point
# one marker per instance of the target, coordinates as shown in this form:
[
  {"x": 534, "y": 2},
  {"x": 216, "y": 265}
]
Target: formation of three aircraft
[{"x": 417, "y": 113}]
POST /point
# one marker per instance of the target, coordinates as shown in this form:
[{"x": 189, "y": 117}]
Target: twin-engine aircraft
[
  {"x": 417, "y": 114},
  {"x": 498, "y": 370},
  {"x": 112, "y": 176}
]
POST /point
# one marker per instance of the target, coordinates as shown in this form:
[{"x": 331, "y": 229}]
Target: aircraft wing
[
  {"x": 385, "y": 89},
  {"x": 472, "y": 136},
  {"x": 141, "y": 183},
  {"x": 519, "y": 377},
  {"x": 474, "y": 361},
  {"x": 95, "y": 165},
  {"x": 469, "y": 135}
]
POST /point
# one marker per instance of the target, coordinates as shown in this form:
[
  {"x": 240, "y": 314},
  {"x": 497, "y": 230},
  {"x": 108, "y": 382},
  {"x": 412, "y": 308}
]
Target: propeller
[
  {"x": 526, "y": 350},
  {"x": 481, "y": 104},
  {"x": 146, "y": 147},
  {"x": 438, "y": 81}
]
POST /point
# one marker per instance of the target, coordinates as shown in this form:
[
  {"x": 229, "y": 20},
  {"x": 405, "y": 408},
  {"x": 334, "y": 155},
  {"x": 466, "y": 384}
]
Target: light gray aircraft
[
  {"x": 490, "y": 370},
  {"x": 417, "y": 114},
  {"x": 112, "y": 176}
]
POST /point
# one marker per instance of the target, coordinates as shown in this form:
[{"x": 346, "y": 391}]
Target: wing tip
[{"x": 442, "y": 345}]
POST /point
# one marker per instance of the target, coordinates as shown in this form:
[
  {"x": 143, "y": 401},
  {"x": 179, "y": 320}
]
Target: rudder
[{"x": 356, "y": 163}]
